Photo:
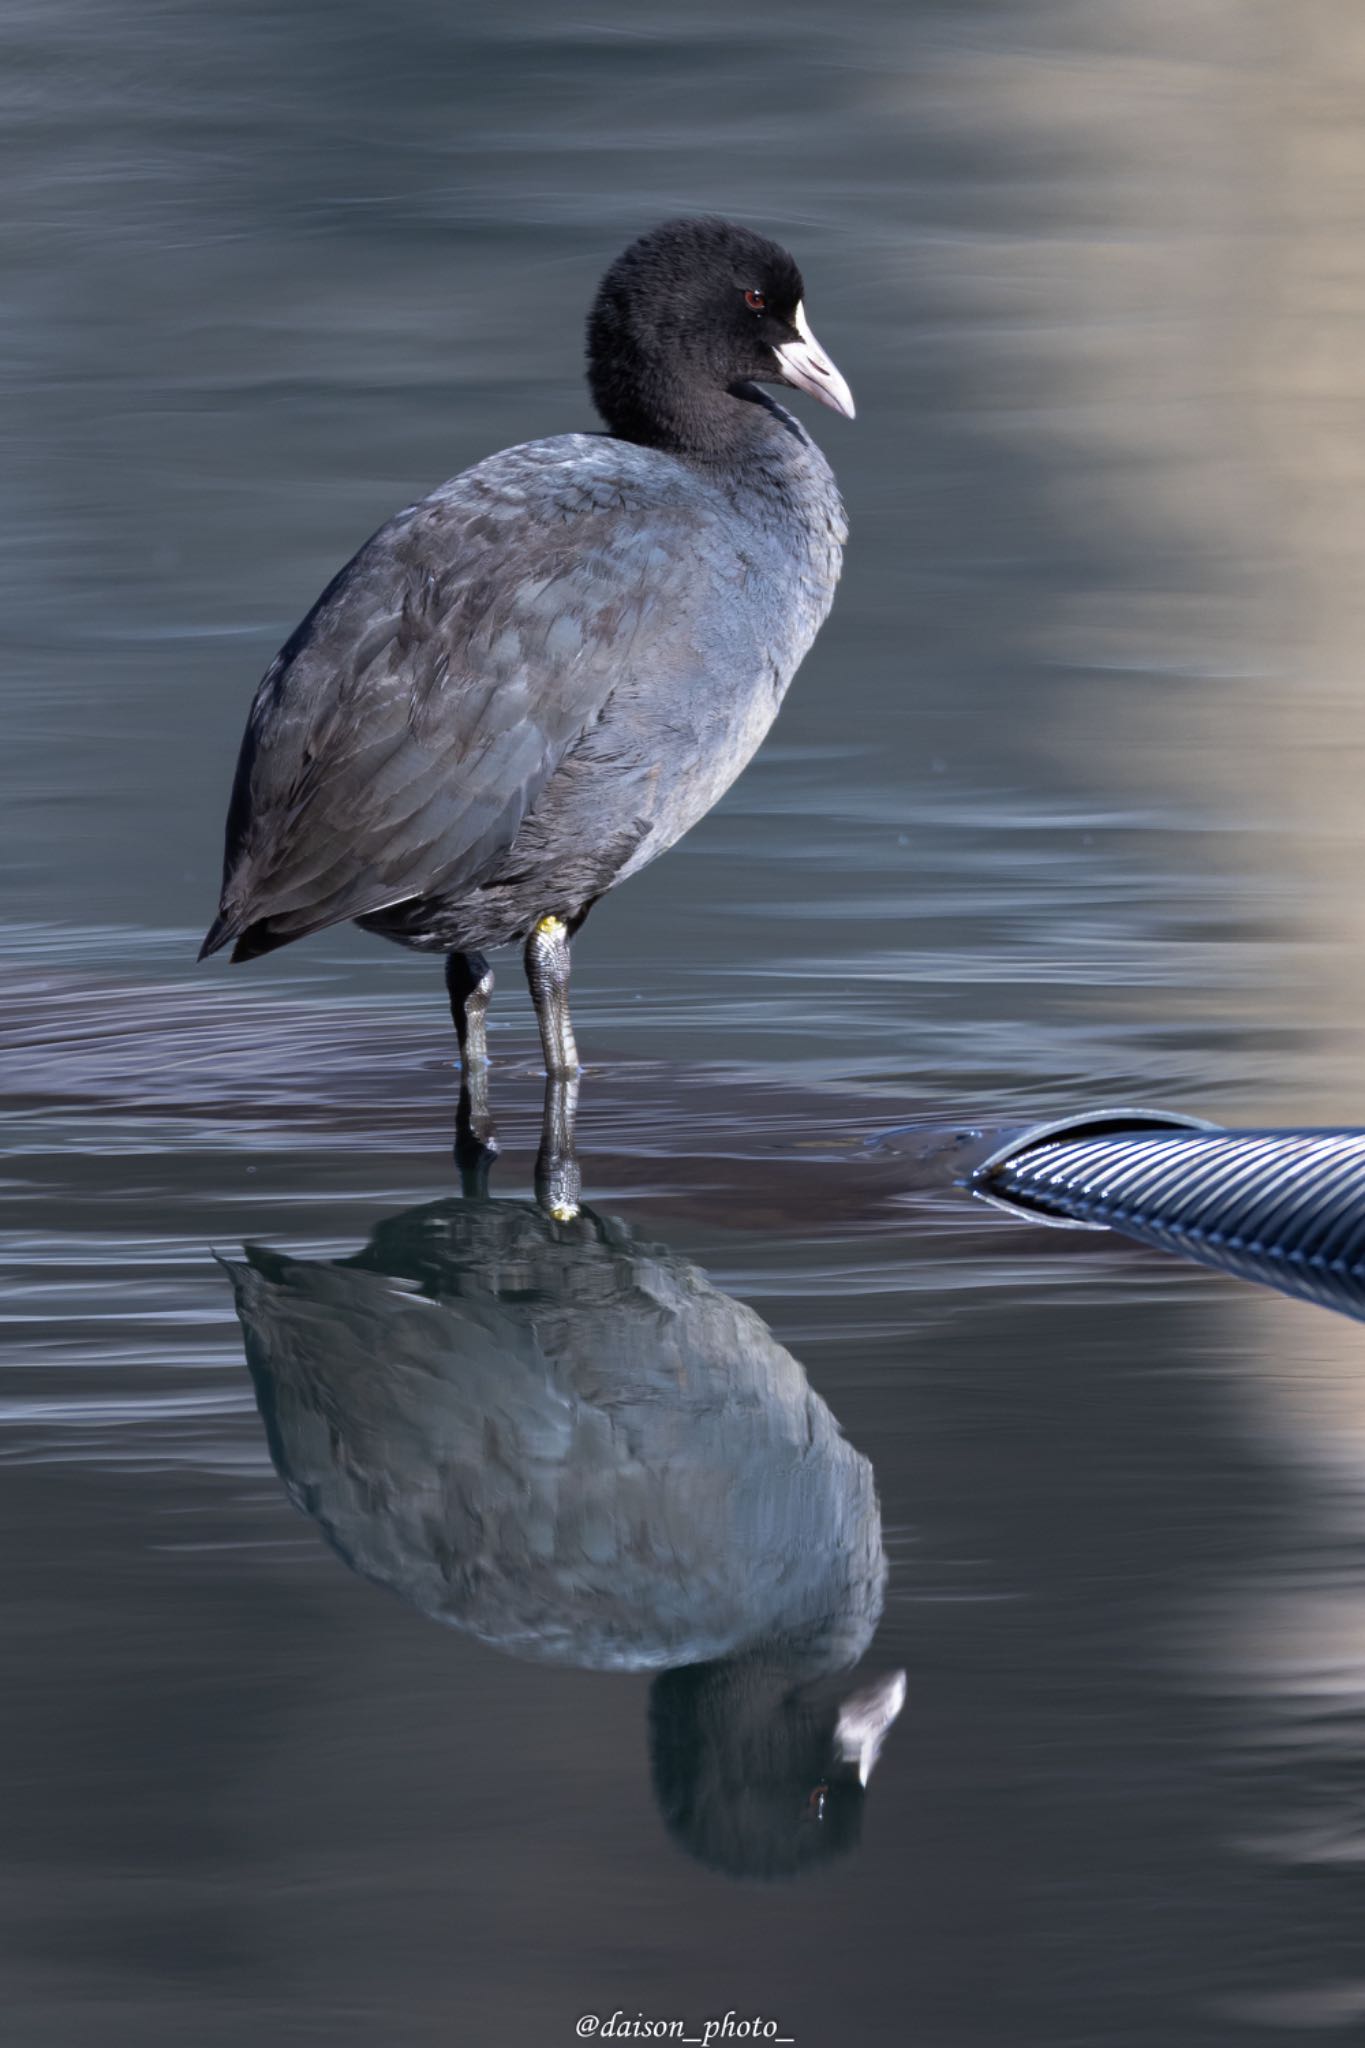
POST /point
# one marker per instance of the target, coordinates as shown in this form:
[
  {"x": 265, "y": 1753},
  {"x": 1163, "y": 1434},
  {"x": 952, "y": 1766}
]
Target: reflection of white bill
[{"x": 864, "y": 1719}]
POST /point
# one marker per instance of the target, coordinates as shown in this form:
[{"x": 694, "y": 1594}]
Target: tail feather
[
  {"x": 219, "y": 934},
  {"x": 252, "y": 937},
  {"x": 257, "y": 935},
  {"x": 261, "y": 938}
]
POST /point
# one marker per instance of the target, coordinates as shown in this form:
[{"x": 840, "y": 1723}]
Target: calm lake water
[{"x": 1062, "y": 811}]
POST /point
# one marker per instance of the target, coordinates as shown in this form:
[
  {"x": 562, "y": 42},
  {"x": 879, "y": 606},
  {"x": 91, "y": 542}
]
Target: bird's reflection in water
[{"x": 571, "y": 1445}]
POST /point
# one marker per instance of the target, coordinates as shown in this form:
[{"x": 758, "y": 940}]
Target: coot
[
  {"x": 571, "y": 1445},
  {"x": 526, "y": 686}
]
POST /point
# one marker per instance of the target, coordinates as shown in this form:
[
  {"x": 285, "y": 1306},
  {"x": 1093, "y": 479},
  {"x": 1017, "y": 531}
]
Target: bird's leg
[
  {"x": 547, "y": 970},
  {"x": 559, "y": 1179},
  {"x": 469, "y": 979}
]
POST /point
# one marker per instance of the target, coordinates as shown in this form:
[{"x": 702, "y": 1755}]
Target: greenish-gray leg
[
  {"x": 559, "y": 1179},
  {"x": 547, "y": 971},
  {"x": 469, "y": 982}
]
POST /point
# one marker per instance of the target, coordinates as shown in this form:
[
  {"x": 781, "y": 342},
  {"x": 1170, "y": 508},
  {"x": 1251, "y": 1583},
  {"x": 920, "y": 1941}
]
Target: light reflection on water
[{"x": 1063, "y": 810}]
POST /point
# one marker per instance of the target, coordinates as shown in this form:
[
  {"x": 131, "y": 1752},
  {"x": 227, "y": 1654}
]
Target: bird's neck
[{"x": 718, "y": 429}]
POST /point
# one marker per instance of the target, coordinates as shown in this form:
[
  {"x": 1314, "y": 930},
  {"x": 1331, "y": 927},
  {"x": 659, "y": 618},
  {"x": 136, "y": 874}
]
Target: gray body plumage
[
  {"x": 527, "y": 686},
  {"x": 566, "y": 1443}
]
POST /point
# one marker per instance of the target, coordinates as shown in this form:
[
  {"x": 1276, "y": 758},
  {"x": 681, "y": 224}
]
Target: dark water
[{"x": 1063, "y": 810}]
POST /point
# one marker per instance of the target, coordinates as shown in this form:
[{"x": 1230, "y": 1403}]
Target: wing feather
[{"x": 404, "y": 731}]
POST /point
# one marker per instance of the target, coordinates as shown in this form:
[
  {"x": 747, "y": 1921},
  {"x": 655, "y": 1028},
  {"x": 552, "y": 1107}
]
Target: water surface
[{"x": 1063, "y": 810}]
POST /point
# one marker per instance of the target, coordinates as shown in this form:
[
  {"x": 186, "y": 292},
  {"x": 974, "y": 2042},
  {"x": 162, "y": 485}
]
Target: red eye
[{"x": 755, "y": 301}]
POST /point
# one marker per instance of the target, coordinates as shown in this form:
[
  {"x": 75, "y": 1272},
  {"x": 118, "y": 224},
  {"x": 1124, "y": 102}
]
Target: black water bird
[
  {"x": 532, "y": 682},
  {"x": 567, "y": 1443}
]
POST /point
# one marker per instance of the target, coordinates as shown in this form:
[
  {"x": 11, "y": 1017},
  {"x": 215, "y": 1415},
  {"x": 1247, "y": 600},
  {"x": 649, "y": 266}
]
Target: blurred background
[{"x": 1062, "y": 810}]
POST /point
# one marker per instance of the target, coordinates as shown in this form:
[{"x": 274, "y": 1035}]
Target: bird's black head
[
  {"x": 685, "y": 323},
  {"x": 759, "y": 1774}
]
